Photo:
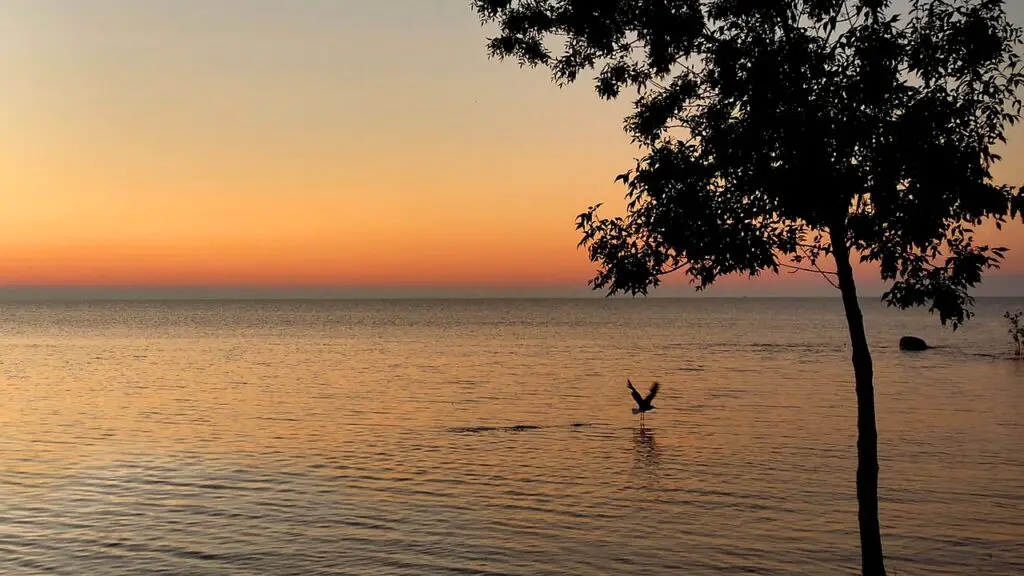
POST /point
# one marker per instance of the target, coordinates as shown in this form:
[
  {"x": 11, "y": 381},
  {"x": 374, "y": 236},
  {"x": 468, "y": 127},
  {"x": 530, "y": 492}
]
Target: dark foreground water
[{"x": 495, "y": 437}]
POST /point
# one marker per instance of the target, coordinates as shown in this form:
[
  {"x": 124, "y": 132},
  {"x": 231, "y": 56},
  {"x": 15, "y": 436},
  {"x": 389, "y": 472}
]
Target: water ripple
[{"x": 494, "y": 438}]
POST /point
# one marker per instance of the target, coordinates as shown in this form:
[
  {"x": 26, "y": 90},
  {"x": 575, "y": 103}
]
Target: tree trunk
[{"x": 872, "y": 561}]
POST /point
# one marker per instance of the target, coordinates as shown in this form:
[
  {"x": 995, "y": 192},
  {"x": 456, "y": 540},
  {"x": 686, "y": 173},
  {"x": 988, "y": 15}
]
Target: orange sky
[{"x": 184, "y": 142}]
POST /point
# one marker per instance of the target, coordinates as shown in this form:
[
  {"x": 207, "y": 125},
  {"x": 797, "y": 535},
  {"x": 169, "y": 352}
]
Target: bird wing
[
  {"x": 636, "y": 395},
  {"x": 652, "y": 392}
]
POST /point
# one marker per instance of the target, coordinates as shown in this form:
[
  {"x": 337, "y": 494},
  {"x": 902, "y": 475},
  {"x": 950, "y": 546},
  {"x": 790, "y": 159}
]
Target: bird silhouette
[{"x": 643, "y": 404}]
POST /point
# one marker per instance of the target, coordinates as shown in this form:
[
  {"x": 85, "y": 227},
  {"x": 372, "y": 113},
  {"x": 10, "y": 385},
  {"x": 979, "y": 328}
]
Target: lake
[{"x": 495, "y": 437}]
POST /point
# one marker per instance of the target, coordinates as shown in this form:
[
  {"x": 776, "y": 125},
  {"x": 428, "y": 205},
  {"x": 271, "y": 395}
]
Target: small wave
[
  {"x": 794, "y": 346},
  {"x": 513, "y": 428},
  {"x": 481, "y": 429},
  {"x": 1006, "y": 356}
]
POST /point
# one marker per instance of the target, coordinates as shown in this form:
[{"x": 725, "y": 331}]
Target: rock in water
[{"x": 913, "y": 344}]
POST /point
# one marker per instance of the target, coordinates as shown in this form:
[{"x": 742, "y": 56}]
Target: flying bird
[{"x": 643, "y": 404}]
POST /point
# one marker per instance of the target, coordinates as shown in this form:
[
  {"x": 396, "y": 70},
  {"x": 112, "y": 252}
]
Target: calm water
[{"x": 495, "y": 437}]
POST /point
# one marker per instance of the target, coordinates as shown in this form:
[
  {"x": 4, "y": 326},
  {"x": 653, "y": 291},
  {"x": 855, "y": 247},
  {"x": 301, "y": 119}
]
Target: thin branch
[
  {"x": 830, "y": 281},
  {"x": 811, "y": 247},
  {"x": 672, "y": 269},
  {"x": 826, "y": 274},
  {"x": 815, "y": 270}
]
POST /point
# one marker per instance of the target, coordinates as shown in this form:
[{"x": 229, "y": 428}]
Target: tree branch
[
  {"x": 816, "y": 270},
  {"x": 824, "y": 273},
  {"x": 675, "y": 268}
]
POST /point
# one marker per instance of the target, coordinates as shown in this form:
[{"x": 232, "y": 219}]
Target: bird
[{"x": 642, "y": 404}]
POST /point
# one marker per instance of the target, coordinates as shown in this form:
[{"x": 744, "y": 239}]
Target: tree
[{"x": 779, "y": 134}]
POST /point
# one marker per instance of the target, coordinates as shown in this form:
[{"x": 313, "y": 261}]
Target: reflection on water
[
  {"x": 644, "y": 447},
  {"x": 496, "y": 438}
]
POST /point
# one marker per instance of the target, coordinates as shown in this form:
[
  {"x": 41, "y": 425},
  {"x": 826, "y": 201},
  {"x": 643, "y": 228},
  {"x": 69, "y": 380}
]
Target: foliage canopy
[{"x": 775, "y": 130}]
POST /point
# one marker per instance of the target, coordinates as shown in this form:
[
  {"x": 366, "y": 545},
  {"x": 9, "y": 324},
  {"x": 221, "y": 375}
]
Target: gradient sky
[{"x": 314, "y": 142}]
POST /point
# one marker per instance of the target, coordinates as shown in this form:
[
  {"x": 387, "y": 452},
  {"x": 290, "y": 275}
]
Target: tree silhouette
[{"x": 779, "y": 134}]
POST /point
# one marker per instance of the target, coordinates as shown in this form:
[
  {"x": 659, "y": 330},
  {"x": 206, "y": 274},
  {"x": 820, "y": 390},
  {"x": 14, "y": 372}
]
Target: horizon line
[
  {"x": 264, "y": 294},
  {"x": 1011, "y": 286}
]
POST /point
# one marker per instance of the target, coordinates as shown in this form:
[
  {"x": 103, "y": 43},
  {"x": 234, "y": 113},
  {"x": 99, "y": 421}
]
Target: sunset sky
[{"x": 318, "y": 142}]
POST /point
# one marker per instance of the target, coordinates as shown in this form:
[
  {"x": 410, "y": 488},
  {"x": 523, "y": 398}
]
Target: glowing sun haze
[{"x": 316, "y": 142}]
